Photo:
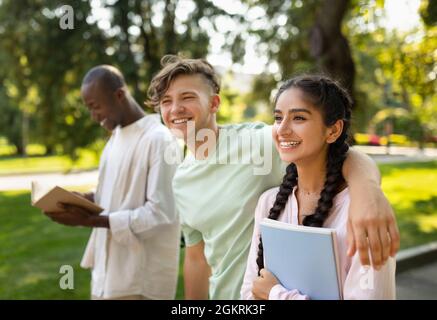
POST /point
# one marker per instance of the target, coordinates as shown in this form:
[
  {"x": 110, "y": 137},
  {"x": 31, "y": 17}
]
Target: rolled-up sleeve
[
  {"x": 191, "y": 236},
  {"x": 159, "y": 209}
]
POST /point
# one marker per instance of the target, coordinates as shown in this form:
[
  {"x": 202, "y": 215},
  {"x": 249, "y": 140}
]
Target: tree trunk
[
  {"x": 169, "y": 27},
  {"x": 21, "y": 151},
  {"x": 329, "y": 46},
  {"x": 50, "y": 150},
  {"x": 24, "y": 134},
  {"x": 126, "y": 56},
  {"x": 152, "y": 45}
]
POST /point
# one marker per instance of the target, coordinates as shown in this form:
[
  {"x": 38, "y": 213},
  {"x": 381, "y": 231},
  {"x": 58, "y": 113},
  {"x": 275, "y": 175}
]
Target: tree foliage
[
  {"x": 40, "y": 97},
  {"x": 43, "y": 64}
]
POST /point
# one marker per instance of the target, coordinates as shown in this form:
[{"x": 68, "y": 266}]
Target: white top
[
  {"x": 358, "y": 282},
  {"x": 139, "y": 254}
]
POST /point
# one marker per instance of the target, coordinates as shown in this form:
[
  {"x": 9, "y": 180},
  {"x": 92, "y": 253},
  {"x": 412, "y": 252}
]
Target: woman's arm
[{"x": 267, "y": 287}]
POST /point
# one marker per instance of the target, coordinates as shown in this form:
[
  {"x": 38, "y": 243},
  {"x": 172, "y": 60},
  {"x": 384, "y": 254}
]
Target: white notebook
[{"x": 303, "y": 258}]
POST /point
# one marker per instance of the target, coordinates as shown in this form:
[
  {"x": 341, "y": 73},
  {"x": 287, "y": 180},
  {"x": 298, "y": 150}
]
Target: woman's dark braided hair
[{"x": 335, "y": 104}]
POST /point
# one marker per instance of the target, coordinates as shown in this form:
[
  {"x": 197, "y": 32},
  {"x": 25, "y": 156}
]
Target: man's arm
[
  {"x": 144, "y": 221},
  {"x": 196, "y": 273},
  {"x": 371, "y": 222},
  {"x": 76, "y": 216}
]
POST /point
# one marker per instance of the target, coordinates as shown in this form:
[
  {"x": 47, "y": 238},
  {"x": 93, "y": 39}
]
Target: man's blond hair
[{"x": 174, "y": 66}]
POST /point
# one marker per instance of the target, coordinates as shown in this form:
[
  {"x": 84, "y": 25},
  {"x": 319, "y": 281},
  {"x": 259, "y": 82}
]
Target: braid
[
  {"x": 336, "y": 153},
  {"x": 334, "y": 180},
  {"x": 285, "y": 189}
]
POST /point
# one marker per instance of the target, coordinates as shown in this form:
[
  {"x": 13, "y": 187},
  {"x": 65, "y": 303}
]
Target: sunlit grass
[
  {"x": 32, "y": 248},
  {"x": 22, "y": 165},
  {"x": 412, "y": 191}
]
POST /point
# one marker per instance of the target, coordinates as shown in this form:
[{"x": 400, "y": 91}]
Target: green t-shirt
[{"x": 216, "y": 200}]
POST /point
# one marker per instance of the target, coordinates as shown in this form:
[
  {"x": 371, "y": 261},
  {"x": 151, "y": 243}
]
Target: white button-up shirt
[{"x": 139, "y": 254}]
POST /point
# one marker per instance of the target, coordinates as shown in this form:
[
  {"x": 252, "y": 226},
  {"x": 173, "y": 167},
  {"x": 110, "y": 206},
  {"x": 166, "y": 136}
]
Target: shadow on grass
[{"x": 428, "y": 207}]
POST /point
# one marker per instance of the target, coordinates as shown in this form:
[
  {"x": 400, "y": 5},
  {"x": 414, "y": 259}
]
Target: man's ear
[
  {"x": 215, "y": 103},
  {"x": 335, "y": 131},
  {"x": 120, "y": 93}
]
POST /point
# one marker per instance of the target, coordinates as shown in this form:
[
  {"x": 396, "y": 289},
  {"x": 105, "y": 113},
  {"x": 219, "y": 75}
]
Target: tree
[
  {"x": 44, "y": 65},
  {"x": 428, "y": 12},
  {"x": 395, "y": 70},
  {"x": 328, "y": 44},
  {"x": 299, "y": 36},
  {"x": 11, "y": 122},
  {"x": 139, "y": 39}
]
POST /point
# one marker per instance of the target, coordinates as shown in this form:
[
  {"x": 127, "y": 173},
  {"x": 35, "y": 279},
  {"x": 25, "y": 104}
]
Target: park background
[{"x": 384, "y": 52}]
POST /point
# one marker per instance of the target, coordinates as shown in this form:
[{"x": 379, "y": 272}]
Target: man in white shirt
[{"x": 134, "y": 247}]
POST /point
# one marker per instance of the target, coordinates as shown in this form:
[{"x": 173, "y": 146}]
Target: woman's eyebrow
[{"x": 294, "y": 110}]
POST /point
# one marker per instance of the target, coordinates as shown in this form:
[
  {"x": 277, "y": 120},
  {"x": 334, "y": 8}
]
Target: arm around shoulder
[{"x": 371, "y": 223}]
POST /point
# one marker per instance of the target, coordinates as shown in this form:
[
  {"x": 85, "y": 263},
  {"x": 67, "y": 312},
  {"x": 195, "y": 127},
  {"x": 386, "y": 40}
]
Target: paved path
[
  {"x": 418, "y": 283},
  {"x": 398, "y": 151},
  {"x": 399, "y": 154}
]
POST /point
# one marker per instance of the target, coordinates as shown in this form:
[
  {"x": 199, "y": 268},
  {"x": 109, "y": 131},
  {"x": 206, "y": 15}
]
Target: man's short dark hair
[{"x": 109, "y": 77}]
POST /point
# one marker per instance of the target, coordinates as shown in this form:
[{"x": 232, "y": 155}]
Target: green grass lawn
[
  {"x": 32, "y": 248},
  {"x": 35, "y": 164},
  {"x": 412, "y": 190}
]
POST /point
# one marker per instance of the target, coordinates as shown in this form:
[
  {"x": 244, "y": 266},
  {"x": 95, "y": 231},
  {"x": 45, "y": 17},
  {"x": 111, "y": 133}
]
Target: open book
[
  {"x": 303, "y": 258},
  {"x": 47, "y": 198}
]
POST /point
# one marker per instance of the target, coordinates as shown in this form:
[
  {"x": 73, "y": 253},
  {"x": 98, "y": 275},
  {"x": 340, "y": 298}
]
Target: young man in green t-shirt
[{"x": 218, "y": 184}]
